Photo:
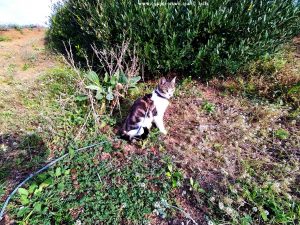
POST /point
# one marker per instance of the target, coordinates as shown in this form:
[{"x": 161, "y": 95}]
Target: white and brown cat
[{"x": 147, "y": 110}]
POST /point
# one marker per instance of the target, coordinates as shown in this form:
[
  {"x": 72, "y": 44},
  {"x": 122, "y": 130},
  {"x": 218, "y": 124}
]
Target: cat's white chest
[{"x": 161, "y": 104}]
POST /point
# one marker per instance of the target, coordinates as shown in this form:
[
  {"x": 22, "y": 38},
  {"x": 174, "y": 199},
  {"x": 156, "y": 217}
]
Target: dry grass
[
  {"x": 276, "y": 79},
  {"x": 23, "y": 57}
]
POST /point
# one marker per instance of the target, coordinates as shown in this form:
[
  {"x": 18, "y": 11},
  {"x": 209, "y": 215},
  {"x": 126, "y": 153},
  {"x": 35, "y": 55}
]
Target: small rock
[{"x": 15, "y": 144}]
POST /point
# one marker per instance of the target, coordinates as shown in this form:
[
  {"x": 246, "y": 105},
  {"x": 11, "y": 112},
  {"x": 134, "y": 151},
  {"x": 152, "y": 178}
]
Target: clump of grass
[
  {"x": 11, "y": 69},
  {"x": 4, "y": 38},
  {"x": 208, "y": 107},
  {"x": 26, "y": 66},
  {"x": 275, "y": 79},
  {"x": 282, "y": 134}
]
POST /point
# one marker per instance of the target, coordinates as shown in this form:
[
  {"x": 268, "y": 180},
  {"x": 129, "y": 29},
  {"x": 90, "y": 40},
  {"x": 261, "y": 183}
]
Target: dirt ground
[{"x": 22, "y": 54}]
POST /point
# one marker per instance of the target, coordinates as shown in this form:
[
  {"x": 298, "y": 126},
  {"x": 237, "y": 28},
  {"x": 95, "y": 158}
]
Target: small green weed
[
  {"x": 187, "y": 81},
  {"x": 282, "y": 134},
  {"x": 267, "y": 65},
  {"x": 152, "y": 140},
  {"x": 11, "y": 69},
  {"x": 295, "y": 113},
  {"x": 111, "y": 87},
  {"x": 6, "y": 114},
  {"x": 195, "y": 186},
  {"x": 208, "y": 107},
  {"x": 26, "y": 66},
  {"x": 174, "y": 175},
  {"x": 273, "y": 78}
]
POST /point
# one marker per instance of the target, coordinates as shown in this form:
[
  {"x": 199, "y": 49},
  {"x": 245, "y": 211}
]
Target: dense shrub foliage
[{"x": 212, "y": 37}]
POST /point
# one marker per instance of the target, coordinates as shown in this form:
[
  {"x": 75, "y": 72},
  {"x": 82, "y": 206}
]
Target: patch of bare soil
[
  {"x": 213, "y": 144},
  {"x": 23, "y": 54}
]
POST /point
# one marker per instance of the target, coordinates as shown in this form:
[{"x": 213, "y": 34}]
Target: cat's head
[{"x": 167, "y": 88}]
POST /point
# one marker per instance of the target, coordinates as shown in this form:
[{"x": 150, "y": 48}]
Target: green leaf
[
  {"x": 23, "y": 211},
  {"x": 38, "y": 191},
  {"x": 109, "y": 95},
  {"x": 295, "y": 89},
  {"x": 246, "y": 220},
  {"x": 60, "y": 186},
  {"x": 32, "y": 188},
  {"x": 58, "y": 171},
  {"x": 81, "y": 98},
  {"x": 24, "y": 200},
  {"x": 168, "y": 174},
  {"x": 174, "y": 183},
  {"x": 23, "y": 192},
  {"x": 192, "y": 181},
  {"x": 38, "y": 207},
  {"x": 170, "y": 167},
  {"x": 106, "y": 77},
  {"x": 282, "y": 134},
  {"x": 134, "y": 80},
  {"x": 201, "y": 190},
  {"x": 123, "y": 79},
  {"x": 99, "y": 95},
  {"x": 113, "y": 81},
  {"x": 263, "y": 215},
  {"x": 71, "y": 152},
  {"x": 94, "y": 87},
  {"x": 93, "y": 77},
  {"x": 178, "y": 175},
  {"x": 67, "y": 172},
  {"x": 46, "y": 183},
  {"x": 117, "y": 75}
]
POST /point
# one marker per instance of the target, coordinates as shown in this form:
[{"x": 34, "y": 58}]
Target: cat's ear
[
  {"x": 162, "y": 81},
  {"x": 173, "y": 81}
]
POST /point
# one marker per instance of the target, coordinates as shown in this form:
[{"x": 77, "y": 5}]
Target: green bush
[{"x": 218, "y": 37}]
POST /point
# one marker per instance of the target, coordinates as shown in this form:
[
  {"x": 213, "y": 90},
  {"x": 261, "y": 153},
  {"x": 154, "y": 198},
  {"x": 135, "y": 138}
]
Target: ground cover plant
[{"x": 94, "y": 189}]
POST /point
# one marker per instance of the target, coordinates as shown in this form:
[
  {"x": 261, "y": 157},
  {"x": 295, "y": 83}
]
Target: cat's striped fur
[{"x": 149, "y": 109}]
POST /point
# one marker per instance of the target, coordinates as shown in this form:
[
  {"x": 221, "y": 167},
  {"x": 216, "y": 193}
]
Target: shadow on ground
[{"x": 20, "y": 154}]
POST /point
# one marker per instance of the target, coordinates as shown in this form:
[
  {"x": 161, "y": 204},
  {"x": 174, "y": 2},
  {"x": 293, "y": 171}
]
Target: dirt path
[
  {"x": 22, "y": 53},
  {"x": 23, "y": 58}
]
